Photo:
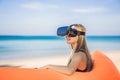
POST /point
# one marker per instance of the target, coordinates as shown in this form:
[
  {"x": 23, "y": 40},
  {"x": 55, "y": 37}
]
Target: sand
[
  {"x": 55, "y": 60},
  {"x": 115, "y": 57},
  {"x": 36, "y": 62}
]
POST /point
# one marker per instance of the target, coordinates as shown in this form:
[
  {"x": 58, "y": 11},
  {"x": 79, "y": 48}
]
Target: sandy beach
[
  {"x": 115, "y": 57},
  {"x": 55, "y": 60}
]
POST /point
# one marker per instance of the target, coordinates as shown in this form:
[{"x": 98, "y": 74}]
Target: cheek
[{"x": 72, "y": 40}]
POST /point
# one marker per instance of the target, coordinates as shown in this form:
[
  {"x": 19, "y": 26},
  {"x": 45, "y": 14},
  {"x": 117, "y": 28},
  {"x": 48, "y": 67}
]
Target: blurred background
[
  {"x": 28, "y": 27},
  {"x": 42, "y": 17}
]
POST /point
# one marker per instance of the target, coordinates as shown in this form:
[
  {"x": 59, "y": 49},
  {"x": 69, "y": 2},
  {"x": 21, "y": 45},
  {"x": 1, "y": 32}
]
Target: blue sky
[{"x": 42, "y": 17}]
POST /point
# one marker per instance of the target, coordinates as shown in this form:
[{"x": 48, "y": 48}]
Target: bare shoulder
[
  {"x": 82, "y": 54},
  {"x": 79, "y": 55}
]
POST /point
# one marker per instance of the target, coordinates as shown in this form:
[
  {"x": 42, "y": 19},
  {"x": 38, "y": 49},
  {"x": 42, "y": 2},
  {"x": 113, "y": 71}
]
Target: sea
[{"x": 23, "y": 47}]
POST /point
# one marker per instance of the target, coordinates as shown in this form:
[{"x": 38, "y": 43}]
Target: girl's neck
[{"x": 74, "y": 46}]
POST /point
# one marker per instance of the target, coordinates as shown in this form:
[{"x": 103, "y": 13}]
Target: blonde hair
[{"x": 82, "y": 45}]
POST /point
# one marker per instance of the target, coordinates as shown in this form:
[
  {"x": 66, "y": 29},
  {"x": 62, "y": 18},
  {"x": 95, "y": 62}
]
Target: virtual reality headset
[{"x": 68, "y": 30}]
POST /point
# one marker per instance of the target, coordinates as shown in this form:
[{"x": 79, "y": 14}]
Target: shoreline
[{"x": 55, "y": 60}]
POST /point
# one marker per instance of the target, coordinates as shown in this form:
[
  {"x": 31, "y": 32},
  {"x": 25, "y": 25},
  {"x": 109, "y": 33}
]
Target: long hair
[{"x": 82, "y": 46}]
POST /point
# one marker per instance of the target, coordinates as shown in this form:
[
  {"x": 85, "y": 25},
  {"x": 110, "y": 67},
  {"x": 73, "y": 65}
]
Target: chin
[{"x": 68, "y": 42}]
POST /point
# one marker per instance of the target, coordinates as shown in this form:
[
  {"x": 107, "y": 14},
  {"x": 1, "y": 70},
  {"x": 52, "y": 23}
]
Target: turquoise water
[{"x": 17, "y": 47}]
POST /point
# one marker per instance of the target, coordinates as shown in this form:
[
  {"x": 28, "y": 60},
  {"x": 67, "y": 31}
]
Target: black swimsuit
[{"x": 78, "y": 70}]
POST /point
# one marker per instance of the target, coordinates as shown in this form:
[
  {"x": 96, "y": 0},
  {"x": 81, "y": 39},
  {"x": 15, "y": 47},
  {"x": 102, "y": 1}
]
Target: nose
[{"x": 66, "y": 36}]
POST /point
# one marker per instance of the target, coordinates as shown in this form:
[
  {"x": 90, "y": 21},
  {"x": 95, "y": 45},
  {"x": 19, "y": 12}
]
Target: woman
[{"x": 80, "y": 59}]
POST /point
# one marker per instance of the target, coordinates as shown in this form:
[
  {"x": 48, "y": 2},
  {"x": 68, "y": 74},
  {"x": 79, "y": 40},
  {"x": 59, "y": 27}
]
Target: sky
[{"x": 43, "y": 17}]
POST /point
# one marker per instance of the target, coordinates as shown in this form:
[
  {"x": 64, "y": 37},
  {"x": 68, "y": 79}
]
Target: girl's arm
[{"x": 70, "y": 68}]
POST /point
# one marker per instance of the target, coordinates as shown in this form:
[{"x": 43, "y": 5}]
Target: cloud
[
  {"x": 38, "y": 6},
  {"x": 89, "y": 10}
]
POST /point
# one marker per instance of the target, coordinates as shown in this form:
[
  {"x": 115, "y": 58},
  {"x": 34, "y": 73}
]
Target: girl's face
[{"x": 71, "y": 40}]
